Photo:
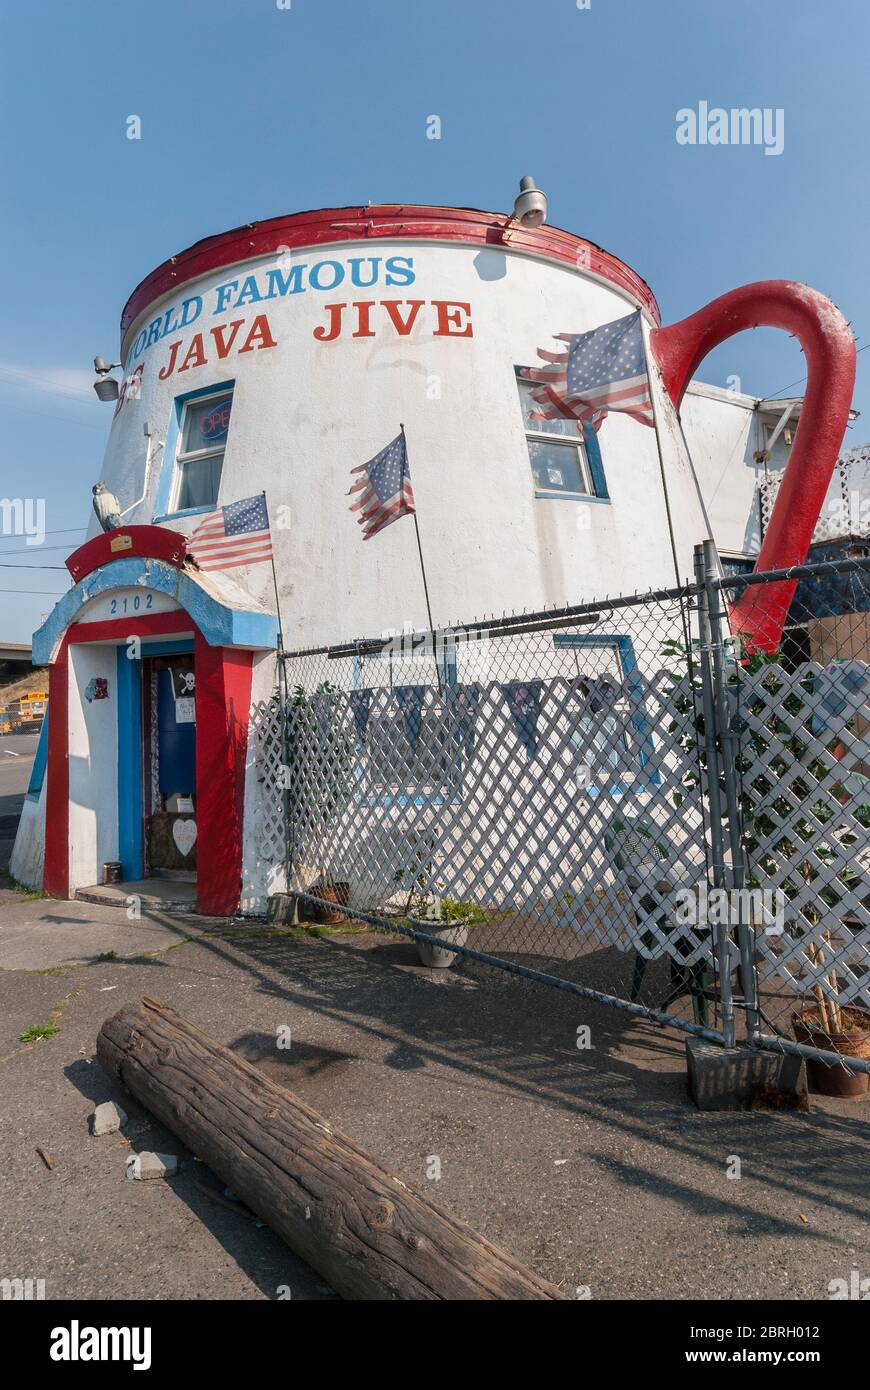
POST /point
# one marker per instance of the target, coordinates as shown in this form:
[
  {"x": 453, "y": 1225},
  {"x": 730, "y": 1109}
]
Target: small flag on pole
[
  {"x": 237, "y": 534},
  {"x": 602, "y": 370},
  {"x": 384, "y": 487}
]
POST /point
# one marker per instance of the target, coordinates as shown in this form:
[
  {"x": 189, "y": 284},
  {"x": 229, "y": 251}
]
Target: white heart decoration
[{"x": 184, "y": 835}]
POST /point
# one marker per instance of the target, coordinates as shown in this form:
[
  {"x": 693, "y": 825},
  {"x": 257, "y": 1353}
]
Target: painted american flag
[
  {"x": 602, "y": 370},
  {"x": 237, "y": 534},
  {"x": 385, "y": 491}
]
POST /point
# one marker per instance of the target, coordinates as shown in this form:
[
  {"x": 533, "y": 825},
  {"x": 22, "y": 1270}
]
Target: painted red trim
[
  {"x": 223, "y": 701},
  {"x": 149, "y": 542},
  {"x": 829, "y": 348},
  {"x": 155, "y": 625},
  {"x": 381, "y": 222},
  {"x": 55, "y": 866}
]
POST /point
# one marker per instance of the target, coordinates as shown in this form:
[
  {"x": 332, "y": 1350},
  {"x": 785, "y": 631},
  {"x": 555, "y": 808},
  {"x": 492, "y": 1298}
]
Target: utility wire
[
  {"x": 803, "y": 378},
  {"x": 29, "y": 549},
  {"x": 59, "y": 531}
]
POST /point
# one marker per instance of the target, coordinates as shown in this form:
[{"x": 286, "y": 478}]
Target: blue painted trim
[
  {"x": 129, "y": 682},
  {"x": 40, "y": 758},
  {"x": 571, "y": 497},
  {"x": 596, "y": 467},
  {"x": 448, "y": 675},
  {"x": 592, "y": 449},
  {"x": 220, "y": 625},
  {"x": 167, "y": 647},
  {"x": 634, "y": 682},
  {"x": 170, "y": 450},
  {"x": 176, "y": 516}
]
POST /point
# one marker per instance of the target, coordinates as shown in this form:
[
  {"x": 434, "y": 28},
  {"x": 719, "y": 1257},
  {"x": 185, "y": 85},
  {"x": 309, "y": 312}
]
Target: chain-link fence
[
  {"x": 622, "y": 798},
  {"x": 793, "y": 731}
]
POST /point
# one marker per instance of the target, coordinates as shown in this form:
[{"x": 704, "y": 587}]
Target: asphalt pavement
[
  {"x": 591, "y": 1166},
  {"x": 17, "y": 752}
]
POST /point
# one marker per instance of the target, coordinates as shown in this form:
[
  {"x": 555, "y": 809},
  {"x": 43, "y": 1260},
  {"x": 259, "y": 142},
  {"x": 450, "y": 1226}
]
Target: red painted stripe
[
  {"x": 379, "y": 223},
  {"x": 223, "y": 700},
  {"x": 152, "y": 625}
]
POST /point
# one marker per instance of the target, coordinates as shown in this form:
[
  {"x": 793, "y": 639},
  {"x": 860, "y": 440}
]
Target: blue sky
[{"x": 249, "y": 111}]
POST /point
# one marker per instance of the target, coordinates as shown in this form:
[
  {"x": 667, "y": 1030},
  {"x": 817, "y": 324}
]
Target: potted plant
[
  {"x": 449, "y": 921},
  {"x": 826, "y": 1024}
]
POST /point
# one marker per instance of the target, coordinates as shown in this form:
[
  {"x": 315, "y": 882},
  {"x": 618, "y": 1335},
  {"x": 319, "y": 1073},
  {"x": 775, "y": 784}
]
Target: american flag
[
  {"x": 601, "y": 371},
  {"x": 237, "y": 534},
  {"x": 385, "y": 488}
]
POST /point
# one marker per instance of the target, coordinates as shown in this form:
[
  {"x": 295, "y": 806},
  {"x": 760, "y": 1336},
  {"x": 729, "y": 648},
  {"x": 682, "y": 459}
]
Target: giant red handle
[{"x": 829, "y": 349}]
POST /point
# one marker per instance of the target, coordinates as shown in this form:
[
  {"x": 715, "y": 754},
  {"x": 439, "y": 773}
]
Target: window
[
  {"x": 205, "y": 423},
  {"x": 409, "y": 753},
  {"x": 734, "y": 565},
  {"x": 612, "y": 748},
  {"x": 564, "y": 462}
]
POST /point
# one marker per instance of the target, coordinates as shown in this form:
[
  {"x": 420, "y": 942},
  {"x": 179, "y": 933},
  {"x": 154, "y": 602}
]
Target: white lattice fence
[
  {"x": 265, "y": 742},
  {"x": 805, "y": 780}
]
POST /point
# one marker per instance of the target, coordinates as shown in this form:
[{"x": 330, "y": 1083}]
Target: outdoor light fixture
[
  {"x": 530, "y": 208},
  {"x": 105, "y": 386}
]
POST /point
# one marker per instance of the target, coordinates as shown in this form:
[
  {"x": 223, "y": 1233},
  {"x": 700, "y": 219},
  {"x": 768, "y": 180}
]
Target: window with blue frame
[
  {"x": 203, "y": 429},
  {"x": 409, "y": 751},
  {"x": 611, "y": 740},
  {"x": 564, "y": 461}
]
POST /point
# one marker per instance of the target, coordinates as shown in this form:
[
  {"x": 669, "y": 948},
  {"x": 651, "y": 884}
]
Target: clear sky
[{"x": 250, "y": 110}]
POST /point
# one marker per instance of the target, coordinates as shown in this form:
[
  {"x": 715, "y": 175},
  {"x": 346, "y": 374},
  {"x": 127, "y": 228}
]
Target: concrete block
[
  {"x": 741, "y": 1078},
  {"x": 108, "y": 1118},
  {"x": 283, "y": 908},
  {"x": 145, "y": 1166}
]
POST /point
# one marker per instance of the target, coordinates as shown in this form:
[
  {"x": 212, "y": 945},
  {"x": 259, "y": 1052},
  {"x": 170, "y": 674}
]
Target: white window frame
[
  {"x": 565, "y": 441},
  {"x": 197, "y": 455}
]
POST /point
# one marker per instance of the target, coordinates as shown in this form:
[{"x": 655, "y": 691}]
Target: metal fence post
[
  {"x": 729, "y": 745},
  {"x": 714, "y": 796}
]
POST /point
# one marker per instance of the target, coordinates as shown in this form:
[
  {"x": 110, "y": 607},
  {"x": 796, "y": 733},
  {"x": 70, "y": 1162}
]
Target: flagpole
[
  {"x": 274, "y": 579},
  {"x": 422, "y": 568}
]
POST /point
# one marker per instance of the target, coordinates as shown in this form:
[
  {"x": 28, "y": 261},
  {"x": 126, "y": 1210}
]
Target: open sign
[{"x": 215, "y": 423}]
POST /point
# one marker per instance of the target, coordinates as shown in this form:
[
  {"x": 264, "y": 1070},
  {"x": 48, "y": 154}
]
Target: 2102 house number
[{"x": 138, "y": 603}]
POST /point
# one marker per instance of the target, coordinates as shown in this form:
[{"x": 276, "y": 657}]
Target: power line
[
  {"x": 50, "y": 593},
  {"x": 29, "y": 549},
  {"x": 4, "y": 566},
  {"x": 58, "y": 531},
  {"x": 803, "y": 378}
]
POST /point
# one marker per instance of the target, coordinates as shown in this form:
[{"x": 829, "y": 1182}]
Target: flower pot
[
  {"x": 333, "y": 893},
  {"x": 454, "y": 932},
  {"x": 827, "y": 1080}
]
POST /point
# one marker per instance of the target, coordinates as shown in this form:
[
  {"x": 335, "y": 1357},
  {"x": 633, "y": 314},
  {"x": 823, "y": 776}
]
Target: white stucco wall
[
  {"x": 306, "y": 411},
  {"x": 93, "y": 765},
  {"x": 28, "y": 852}
]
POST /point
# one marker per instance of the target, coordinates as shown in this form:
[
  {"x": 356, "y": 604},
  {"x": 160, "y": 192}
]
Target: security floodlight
[
  {"x": 530, "y": 208},
  {"x": 106, "y": 388}
]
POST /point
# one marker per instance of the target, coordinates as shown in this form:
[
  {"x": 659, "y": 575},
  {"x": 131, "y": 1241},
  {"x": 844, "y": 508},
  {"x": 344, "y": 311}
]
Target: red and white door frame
[{"x": 94, "y": 766}]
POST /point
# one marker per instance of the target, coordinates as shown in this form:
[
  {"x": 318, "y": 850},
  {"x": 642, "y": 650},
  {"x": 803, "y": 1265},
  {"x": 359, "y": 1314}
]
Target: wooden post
[{"x": 363, "y": 1230}]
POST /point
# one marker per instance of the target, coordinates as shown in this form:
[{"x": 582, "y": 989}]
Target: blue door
[{"x": 176, "y": 737}]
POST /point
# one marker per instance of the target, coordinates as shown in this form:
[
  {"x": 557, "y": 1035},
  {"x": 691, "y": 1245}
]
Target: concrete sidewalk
[
  {"x": 593, "y": 1167},
  {"x": 37, "y": 933}
]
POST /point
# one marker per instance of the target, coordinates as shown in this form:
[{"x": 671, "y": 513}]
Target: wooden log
[{"x": 368, "y": 1234}]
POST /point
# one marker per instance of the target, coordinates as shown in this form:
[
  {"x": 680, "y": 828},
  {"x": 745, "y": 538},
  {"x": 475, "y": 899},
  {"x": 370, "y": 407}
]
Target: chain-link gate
[{"x": 615, "y": 798}]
